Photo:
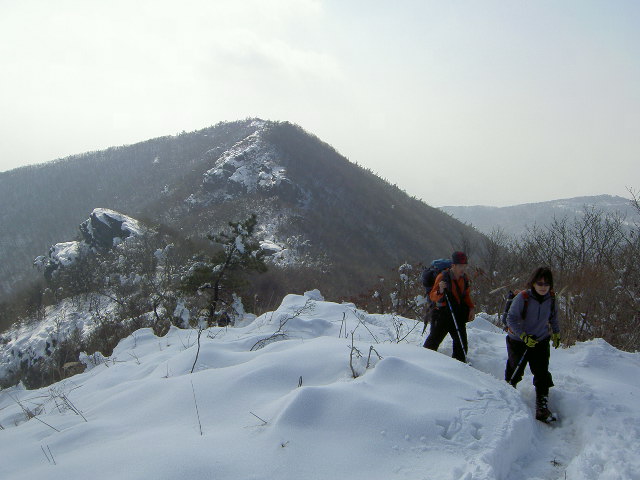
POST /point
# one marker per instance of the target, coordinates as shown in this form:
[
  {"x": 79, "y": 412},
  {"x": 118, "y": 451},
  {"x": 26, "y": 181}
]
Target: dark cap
[{"x": 459, "y": 258}]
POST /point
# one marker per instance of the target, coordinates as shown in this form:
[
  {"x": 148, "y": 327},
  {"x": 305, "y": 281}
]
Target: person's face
[
  {"x": 458, "y": 269},
  {"x": 541, "y": 286}
]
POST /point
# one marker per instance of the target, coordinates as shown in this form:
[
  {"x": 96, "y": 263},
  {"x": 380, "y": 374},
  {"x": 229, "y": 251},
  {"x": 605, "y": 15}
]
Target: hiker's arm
[
  {"x": 467, "y": 299},
  {"x": 472, "y": 314},
  {"x": 469, "y": 303},
  {"x": 435, "y": 294}
]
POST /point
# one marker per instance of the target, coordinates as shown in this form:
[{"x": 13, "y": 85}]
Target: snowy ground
[{"x": 289, "y": 408}]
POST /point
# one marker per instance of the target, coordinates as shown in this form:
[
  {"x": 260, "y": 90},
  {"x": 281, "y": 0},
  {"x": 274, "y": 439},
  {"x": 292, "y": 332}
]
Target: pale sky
[{"x": 456, "y": 102}]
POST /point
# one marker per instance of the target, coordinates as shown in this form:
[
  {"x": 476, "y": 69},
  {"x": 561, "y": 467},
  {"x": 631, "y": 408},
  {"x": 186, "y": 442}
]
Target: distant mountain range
[
  {"x": 337, "y": 220},
  {"x": 515, "y": 219}
]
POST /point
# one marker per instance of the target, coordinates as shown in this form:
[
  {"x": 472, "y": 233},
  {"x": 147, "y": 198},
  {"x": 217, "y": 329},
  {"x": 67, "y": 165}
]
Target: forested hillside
[{"x": 340, "y": 224}]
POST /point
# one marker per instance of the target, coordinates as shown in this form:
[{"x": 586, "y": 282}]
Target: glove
[
  {"x": 555, "y": 339},
  {"x": 529, "y": 340}
]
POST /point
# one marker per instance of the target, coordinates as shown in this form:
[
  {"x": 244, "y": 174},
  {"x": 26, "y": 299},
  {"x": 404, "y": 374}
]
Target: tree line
[
  {"x": 595, "y": 259},
  {"x": 161, "y": 279}
]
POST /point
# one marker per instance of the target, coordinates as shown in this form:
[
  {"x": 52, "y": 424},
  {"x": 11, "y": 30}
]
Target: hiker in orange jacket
[{"x": 451, "y": 285}]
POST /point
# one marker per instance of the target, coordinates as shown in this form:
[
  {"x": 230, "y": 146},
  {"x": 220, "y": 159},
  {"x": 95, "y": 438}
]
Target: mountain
[
  {"x": 339, "y": 224},
  {"x": 259, "y": 408},
  {"x": 515, "y": 219}
]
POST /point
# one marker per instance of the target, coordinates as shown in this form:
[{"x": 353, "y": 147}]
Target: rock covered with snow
[
  {"x": 250, "y": 163},
  {"x": 103, "y": 230},
  {"x": 61, "y": 255},
  {"x": 250, "y": 166},
  {"x": 270, "y": 247},
  {"x": 107, "y": 228}
]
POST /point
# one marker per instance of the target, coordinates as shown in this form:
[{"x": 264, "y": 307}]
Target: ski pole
[{"x": 455, "y": 322}]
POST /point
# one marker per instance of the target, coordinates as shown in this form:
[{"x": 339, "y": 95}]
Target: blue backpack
[{"x": 430, "y": 273}]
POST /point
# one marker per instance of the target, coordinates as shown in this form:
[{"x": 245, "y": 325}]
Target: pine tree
[{"x": 225, "y": 271}]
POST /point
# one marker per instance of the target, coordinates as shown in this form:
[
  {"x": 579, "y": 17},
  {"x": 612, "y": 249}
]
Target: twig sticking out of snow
[
  {"x": 371, "y": 349},
  {"x": 29, "y": 414},
  {"x": 358, "y": 354},
  {"x": 280, "y": 333},
  {"x": 361, "y": 321},
  {"x": 49, "y": 456},
  {"x": 264, "y": 422},
  {"x": 195, "y": 401},
  {"x": 62, "y": 402},
  {"x": 200, "y": 330},
  {"x": 265, "y": 341}
]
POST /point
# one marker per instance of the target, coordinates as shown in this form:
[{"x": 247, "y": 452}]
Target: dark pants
[
  {"x": 442, "y": 324},
  {"x": 538, "y": 360}
]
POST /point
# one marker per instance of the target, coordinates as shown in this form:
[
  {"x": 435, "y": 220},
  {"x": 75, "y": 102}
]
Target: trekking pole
[
  {"x": 519, "y": 363},
  {"x": 455, "y": 322},
  {"x": 513, "y": 375}
]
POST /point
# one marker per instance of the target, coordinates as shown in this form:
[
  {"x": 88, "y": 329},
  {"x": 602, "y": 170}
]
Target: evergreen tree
[{"x": 225, "y": 271}]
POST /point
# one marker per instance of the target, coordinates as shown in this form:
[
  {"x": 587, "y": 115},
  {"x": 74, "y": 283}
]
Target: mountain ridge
[
  {"x": 304, "y": 192},
  {"x": 514, "y": 219}
]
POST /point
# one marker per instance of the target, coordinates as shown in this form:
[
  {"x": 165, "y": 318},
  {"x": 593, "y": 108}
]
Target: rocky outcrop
[
  {"x": 106, "y": 228},
  {"x": 251, "y": 166},
  {"x": 103, "y": 230}
]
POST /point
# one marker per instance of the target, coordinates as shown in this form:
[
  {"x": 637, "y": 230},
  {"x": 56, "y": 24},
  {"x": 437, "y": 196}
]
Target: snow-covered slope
[{"x": 276, "y": 399}]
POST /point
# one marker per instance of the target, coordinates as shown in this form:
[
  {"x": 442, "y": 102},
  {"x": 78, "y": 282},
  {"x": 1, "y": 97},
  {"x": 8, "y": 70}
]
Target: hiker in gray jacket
[{"x": 532, "y": 323}]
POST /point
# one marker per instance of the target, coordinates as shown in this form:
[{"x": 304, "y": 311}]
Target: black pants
[
  {"x": 442, "y": 324},
  {"x": 538, "y": 360}
]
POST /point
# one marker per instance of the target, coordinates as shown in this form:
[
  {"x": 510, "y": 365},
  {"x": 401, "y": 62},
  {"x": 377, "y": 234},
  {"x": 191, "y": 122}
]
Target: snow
[
  {"x": 64, "y": 253},
  {"x": 250, "y": 163},
  {"x": 129, "y": 224},
  {"x": 240, "y": 244},
  {"x": 270, "y": 247},
  {"x": 276, "y": 399},
  {"x": 34, "y": 340}
]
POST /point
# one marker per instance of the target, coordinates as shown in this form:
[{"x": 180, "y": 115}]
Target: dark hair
[{"x": 541, "y": 273}]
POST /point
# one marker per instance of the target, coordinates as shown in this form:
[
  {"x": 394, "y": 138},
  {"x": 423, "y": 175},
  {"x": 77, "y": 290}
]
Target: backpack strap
[
  {"x": 525, "y": 297},
  {"x": 446, "y": 276}
]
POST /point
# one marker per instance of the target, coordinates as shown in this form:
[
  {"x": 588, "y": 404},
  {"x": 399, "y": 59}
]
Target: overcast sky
[{"x": 457, "y": 102}]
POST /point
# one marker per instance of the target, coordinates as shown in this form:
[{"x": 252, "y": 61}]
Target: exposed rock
[
  {"x": 102, "y": 231},
  {"x": 60, "y": 255},
  {"x": 106, "y": 228},
  {"x": 251, "y": 166}
]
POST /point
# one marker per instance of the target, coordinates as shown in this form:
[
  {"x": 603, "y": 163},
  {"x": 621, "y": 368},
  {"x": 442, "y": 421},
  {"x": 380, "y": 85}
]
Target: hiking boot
[{"x": 542, "y": 410}]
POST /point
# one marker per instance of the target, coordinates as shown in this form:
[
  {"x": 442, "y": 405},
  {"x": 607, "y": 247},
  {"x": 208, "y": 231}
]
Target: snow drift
[{"x": 276, "y": 398}]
